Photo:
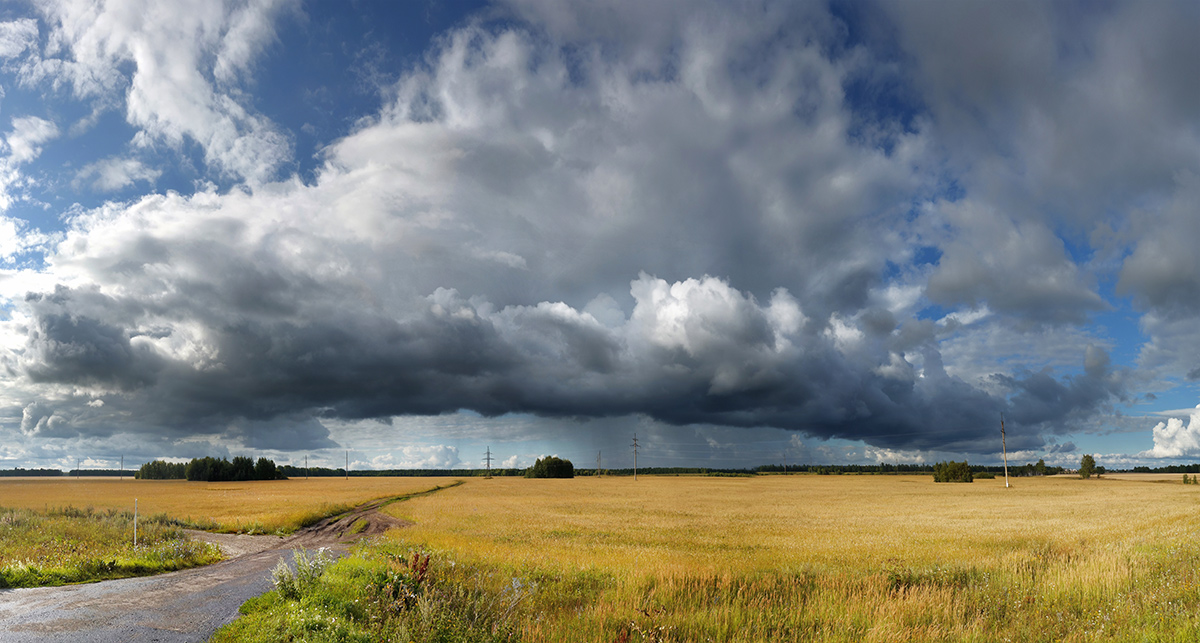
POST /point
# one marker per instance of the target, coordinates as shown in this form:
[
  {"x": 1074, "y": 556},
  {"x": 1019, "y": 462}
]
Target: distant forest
[{"x": 242, "y": 468}]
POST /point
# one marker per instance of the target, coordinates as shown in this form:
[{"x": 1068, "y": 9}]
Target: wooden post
[
  {"x": 1004, "y": 448},
  {"x": 635, "y": 450}
]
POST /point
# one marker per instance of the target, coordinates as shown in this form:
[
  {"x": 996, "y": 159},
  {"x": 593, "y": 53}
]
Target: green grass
[
  {"x": 384, "y": 592},
  {"x": 70, "y": 545}
]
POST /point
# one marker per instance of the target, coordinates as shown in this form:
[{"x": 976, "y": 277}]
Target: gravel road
[{"x": 179, "y": 607}]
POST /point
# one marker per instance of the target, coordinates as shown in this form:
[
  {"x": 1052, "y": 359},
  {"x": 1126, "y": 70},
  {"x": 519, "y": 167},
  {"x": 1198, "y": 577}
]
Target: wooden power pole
[
  {"x": 1004, "y": 449},
  {"x": 635, "y": 450}
]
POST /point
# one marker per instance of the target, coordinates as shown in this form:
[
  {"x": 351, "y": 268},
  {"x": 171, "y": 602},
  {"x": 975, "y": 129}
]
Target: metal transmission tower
[
  {"x": 488, "y": 460},
  {"x": 635, "y": 450}
]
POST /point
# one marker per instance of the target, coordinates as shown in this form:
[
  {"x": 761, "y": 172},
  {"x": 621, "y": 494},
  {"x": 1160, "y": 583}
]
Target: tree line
[{"x": 209, "y": 469}]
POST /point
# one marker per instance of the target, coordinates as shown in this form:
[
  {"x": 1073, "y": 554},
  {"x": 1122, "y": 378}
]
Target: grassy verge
[
  {"x": 69, "y": 545},
  {"x": 384, "y": 592}
]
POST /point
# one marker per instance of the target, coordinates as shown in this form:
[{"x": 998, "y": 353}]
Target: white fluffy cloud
[
  {"x": 115, "y": 173},
  {"x": 17, "y": 36},
  {"x": 177, "y": 68},
  {"x": 1174, "y": 439}
]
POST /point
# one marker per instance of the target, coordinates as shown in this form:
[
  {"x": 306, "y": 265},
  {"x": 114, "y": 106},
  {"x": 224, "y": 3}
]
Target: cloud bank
[{"x": 889, "y": 225}]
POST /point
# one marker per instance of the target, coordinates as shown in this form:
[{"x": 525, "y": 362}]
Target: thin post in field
[
  {"x": 635, "y": 449},
  {"x": 488, "y": 459},
  {"x": 1004, "y": 449},
  {"x": 135, "y": 523}
]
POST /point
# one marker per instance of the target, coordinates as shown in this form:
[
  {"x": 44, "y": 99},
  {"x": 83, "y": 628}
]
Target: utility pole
[
  {"x": 1004, "y": 448},
  {"x": 598, "y": 464},
  {"x": 123, "y": 472},
  {"x": 347, "y": 465},
  {"x": 785, "y": 462},
  {"x": 306, "y": 467},
  {"x": 635, "y": 450},
  {"x": 488, "y": 459}
]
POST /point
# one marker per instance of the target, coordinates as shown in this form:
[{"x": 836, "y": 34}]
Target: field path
[{"x": 182, "y": 606}]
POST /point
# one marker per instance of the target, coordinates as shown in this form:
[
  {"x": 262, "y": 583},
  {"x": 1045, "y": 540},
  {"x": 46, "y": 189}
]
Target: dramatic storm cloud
[{"x": 839, "y": 233}]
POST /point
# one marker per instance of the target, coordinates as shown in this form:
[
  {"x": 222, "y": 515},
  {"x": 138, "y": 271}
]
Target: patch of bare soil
[{"x": 335, "y": 532}]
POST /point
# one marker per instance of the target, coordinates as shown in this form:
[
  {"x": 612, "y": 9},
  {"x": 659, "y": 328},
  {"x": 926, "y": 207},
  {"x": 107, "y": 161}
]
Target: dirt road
[{"x": 178, "y": 607}]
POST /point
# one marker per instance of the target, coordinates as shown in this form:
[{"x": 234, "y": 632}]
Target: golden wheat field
[
  {"x": 688, "y": 524},
  {"x": 839, "y": 558},
  {"x": 257, "y": 506}
]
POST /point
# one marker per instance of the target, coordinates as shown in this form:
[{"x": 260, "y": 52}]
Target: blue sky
[{"x": 820, "y": 232}]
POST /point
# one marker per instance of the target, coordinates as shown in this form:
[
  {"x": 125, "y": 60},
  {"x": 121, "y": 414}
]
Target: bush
[
  {"x": 952, "y": 472},
  {"x": 551, "y": 467},
  {"x": 291, "y": 585}
]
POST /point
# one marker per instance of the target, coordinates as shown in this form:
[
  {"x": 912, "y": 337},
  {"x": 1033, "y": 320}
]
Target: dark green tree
[
  {"x": 161, "y": 470},
  {"x": 1087, "y": 466},
  {"x": 551, "y": 467},
  {"x": 265, "y": 469},
  {"x": 1040, "y": 467},
  {"x": 242, "y": 468},
  {"x": 952, "y": 472}
]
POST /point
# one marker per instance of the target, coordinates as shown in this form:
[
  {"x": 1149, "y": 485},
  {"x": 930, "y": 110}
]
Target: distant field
[
  {"x": 689, "y": 524},
  {"x": 259, "y": 506},
  {"x": 845, "y": 558}
]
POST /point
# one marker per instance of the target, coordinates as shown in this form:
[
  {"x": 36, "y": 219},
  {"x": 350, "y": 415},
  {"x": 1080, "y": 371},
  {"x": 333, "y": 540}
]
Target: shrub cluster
[
  {"x": 952, "y": 472},
  {"x": 551, "y": 467}
]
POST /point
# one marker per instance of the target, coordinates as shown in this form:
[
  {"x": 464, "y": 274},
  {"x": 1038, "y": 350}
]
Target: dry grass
[
  {"x": 690, "y": 524},
  {"x": 259, "y": 506},
  {"x": 836, "y": 558}
]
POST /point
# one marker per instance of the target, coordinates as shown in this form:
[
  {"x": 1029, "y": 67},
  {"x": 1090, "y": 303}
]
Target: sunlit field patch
[{"x": 253, "y": 507}]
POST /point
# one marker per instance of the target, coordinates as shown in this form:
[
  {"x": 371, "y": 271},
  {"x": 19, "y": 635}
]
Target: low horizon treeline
[{"x": 162, "y": 470}]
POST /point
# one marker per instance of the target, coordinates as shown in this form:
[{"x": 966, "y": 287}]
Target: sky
[{"x": 408, "y": 233}]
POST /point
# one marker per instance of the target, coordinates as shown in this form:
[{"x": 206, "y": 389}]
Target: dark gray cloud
[
  {"x": 694, "y": 352},
  {"x": 763, "y": 216}
]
